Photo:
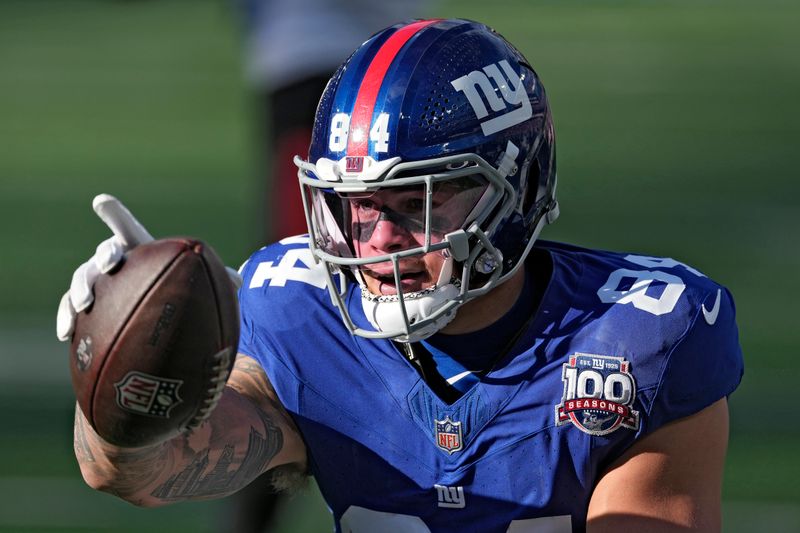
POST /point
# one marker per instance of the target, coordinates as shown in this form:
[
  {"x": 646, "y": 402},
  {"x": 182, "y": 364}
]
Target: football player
[
  {"x": 285, "y": 82},
  {"x": 424, "y": 356}
]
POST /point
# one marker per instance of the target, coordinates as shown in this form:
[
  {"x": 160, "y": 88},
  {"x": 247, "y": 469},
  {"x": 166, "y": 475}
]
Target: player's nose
[{"x": 389, "y": 236}]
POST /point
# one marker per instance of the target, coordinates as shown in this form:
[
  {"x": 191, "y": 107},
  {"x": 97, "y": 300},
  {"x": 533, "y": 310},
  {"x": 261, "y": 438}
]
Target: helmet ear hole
[{"x": 531, "y": 191}]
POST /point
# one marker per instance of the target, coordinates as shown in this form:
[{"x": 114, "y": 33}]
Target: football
[{"x": 151, "y": 356}]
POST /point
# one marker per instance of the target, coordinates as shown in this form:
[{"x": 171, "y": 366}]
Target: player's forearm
[
  {"x": 124, "y": 472},
  {"x": 238, "y": 442}
]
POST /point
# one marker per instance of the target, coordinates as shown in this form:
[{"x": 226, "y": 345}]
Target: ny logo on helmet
[{"x": 511, "y": 88}]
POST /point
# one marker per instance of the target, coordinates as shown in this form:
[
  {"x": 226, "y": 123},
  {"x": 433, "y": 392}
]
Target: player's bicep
[
  {"x": 249, "y": 379},
  {"x": 669, "y": 481}
]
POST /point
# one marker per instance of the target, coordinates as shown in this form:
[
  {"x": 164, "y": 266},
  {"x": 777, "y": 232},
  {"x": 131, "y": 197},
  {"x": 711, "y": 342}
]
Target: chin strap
[
  {"x": 386, "y": 313},
  {"x": 388, "y": 316}
]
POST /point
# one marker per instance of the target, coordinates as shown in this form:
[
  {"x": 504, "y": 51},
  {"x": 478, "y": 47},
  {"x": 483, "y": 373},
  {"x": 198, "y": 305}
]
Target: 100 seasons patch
[{"x": 599, "y": 392}]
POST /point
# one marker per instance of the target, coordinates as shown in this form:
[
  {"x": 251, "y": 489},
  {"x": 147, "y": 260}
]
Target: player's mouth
[{"x": 383, "y": 282}]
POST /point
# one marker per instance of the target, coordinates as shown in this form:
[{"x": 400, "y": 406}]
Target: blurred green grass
[
  {"x": 677, "y": 133},
  {"x": 139, "y": 99}
]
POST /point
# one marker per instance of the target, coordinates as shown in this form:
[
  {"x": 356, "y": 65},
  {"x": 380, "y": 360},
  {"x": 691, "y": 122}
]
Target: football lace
[{"x": 220, "y": 373}]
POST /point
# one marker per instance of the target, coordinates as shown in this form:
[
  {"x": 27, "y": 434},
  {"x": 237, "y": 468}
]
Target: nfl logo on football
[
  {"x": 148, "y": 395},
  {"x": 448, "y": 435}
]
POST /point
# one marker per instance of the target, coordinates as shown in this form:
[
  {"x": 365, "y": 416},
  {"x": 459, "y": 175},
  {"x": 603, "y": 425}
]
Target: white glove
[{"x": 128, "y": 233}]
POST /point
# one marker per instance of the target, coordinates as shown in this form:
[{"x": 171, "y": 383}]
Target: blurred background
[{"x": 677, "y": 126}]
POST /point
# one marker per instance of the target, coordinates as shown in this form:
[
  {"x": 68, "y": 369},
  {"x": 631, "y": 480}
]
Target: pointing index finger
[{"x": 120, "y": 220}]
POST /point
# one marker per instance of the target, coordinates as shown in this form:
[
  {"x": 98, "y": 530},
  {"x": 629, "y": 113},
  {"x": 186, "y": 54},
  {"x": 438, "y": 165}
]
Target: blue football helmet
[{"x": 450, "y": 121}]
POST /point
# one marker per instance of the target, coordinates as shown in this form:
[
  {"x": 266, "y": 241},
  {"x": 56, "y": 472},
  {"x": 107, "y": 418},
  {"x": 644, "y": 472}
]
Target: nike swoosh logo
[
  {"x": 458, "y": 377},
  {"x": 711, "y": 316}
]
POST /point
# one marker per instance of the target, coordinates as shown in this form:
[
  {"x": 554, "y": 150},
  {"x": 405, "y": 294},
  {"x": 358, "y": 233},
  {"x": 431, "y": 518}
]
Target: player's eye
[
  {"x": 413, "y": 206},
  {"x": 364, "y": 205}
]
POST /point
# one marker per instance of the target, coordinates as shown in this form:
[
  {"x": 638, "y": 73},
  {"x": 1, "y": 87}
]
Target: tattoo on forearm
[
  {"x": 140, "y": 468},
  {"x": 227, "y": 474},
  {"x": 146, "y": 464},
  {"x": 82, "y": 450}
]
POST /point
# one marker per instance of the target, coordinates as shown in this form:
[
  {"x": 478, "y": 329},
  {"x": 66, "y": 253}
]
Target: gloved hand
[{"x": 128, "y": 233}]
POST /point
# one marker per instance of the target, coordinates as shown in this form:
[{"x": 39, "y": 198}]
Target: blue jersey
[{"x": 620, "y": 345}]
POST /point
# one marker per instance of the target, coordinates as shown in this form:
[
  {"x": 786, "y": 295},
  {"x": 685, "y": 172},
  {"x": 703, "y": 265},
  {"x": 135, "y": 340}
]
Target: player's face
[{"x": 393, "y": 220}]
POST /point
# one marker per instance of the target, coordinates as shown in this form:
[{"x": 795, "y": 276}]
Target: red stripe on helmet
[{"x": 361, "y": 117}]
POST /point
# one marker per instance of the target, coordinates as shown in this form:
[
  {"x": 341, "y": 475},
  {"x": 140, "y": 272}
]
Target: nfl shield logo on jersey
[
  {"x": 599, "y": 392},
  {"x": 448, "y": 435},
  {"x": 148, "y": 395}
]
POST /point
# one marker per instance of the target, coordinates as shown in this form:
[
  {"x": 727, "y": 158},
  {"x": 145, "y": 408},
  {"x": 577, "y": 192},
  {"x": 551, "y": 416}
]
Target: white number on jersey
[
  {"x": 296, "y": 264},
  {"x": 637, "y": 295}
]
